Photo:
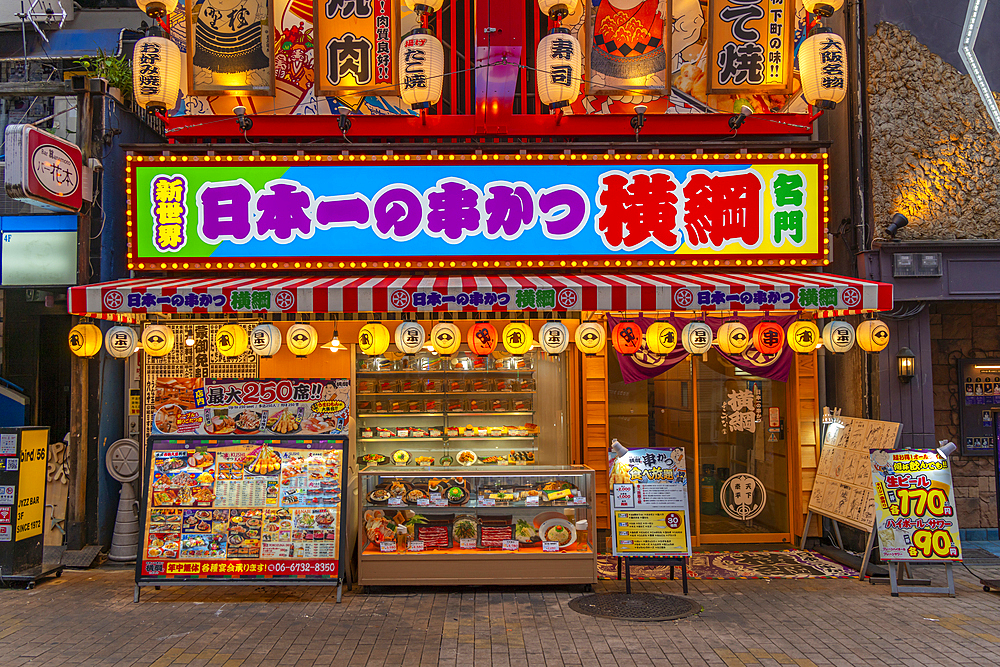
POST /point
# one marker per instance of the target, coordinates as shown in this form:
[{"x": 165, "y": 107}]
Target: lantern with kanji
[
  {"x": 517, "y": 338},
  {"x": 823, "y": 68},
  {"x": 265, "y": 340},
  {"x": 553, "y": 337},
  {"x": 421, "y": 68},
  {"x": 301, "y": 339},
  {"x": 85, "y": 340},
  {"x": 482, "y": 338},
  {"x": 696, "y": 337},
  {"x": 873, "y": 335},
  {"x": 373, "y": 339},
  {"x": 590, "y": 337},
  {"x": 156, "y": 73},
  {"x": 409, "y": 337},
  {"x": 661, "y": 337},
  {"x": 231, "y": 340},
  {"x": 838, "y": 336},
  {"x": 626, "y": 337},
  {"x": 803, "y": 336},
  {"x": 733, "y": 338},
  {"x": 768, "y": 337},
  {"x": 446, "y": 338},
  {"x": 559, "y": 64},
  {"x": 157, "y": 340},
  {"x": 120, "y": 342}
]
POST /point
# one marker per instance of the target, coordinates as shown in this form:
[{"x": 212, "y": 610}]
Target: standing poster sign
[
  {"x": 650, "y": 504},
  {"x": 915, "y": 505},
  {"x": 238, "y": 510}
]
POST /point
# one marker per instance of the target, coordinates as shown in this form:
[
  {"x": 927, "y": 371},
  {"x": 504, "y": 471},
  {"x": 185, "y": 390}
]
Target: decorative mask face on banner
[
  {"x": 301, "y": 339},
  {"x": 517, "y": 338},
  {"x": 446, "y": 337},
  {"x": 373, "y": 339},
  {"x": 157, "y": 340},
  {"x": 873, "y": 335},
  {"x": 626, "y": 337},
  {"x": 590, "y": 337},
  {"x": 554, "y": 337},
  {"x": 482, "y": 338},
  {"x": 265, "y": 340},
  {"x": 803, "y": 336},
  {"x": 409, "y": 337},
  {"x": 85, "y": 340},
  {"x": 231, "y": 340},
  {"x": 120, "y": 342},
  {"x": 661, "y": 338},
  {"x": 733, "y": 338}
]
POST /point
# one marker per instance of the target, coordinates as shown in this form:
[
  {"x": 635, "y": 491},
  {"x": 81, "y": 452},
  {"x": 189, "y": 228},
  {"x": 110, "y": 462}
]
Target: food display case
[{"x": 476, "y": 525}]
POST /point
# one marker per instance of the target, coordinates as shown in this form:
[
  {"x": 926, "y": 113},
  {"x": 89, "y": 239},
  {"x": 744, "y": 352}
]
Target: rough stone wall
[
  {"x": 934, "y": 152},
  {"x": 959, "y": 330}
]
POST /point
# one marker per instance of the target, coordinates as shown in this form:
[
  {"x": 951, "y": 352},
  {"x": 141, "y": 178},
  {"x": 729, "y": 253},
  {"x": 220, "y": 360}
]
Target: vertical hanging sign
[
  {"x": 750, "y": 46},
  {"x": 356, "y": 47}
]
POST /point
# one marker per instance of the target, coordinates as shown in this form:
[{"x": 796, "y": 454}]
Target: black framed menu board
[
  {"x": 978, "y": 405},
  {"x": 242, "y": 511}
]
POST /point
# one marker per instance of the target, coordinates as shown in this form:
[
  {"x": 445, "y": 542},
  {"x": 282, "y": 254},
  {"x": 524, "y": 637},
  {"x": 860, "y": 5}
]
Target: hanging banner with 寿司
[{"x": 208, "y": 406}]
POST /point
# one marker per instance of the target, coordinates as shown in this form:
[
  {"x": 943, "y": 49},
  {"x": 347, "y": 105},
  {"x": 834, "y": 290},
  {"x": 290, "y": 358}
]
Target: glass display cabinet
[{"x": 476, "y": 525}]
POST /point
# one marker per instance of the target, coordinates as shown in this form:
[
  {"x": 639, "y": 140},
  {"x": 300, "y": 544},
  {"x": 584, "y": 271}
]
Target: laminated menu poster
[
  {"x": 914, "y": 505},
  {"x": 236, "y": 508},
  {"x": 650, "y": 503},
  {"x": 207, "y": 406}
]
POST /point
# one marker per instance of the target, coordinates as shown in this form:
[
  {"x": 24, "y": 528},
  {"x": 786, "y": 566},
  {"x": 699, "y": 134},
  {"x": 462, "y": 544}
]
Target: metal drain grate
[{"x": 635, "y": 606}]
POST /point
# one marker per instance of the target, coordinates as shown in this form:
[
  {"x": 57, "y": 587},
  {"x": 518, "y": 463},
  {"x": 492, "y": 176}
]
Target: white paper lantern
[
  {"x": 822, "y": 7},
  {"x": 120, "y": 342},
  {"x": 559, "y": 60},
  {"x": 421, "y": 68},
  {"x": 553, "y": 337},
  {"x": 409, "y": 337},
  {"x": 157, "y": 8},
  {"x": 301, "y": 339},
  {"x": 156, "y": 73},
  {"x": 823, "y": 68},
  {"x": 838, "y": 336},
  {"x": 696, "y": 338},
  {"x": 429, "y": 5},
  {"x": 265, "y": 340},
  {"x": 560, "y": 9},
  {"x": 733, "y": 338},
  {"x": 157, "y": 340}
]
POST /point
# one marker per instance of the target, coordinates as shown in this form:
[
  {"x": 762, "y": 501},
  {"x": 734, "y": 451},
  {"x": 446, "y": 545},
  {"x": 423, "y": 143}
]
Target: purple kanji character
[
  {"x": 510, "y": 210},
  {"x": 342, "y": 211},
  {"x": 718, "y": 297},
  {"x": 419, "y": 299},
  {"x": 134, "y": 300},
  {"x": 162, "y": 299},
  {"x": 205, "y": 300},
  {"x": 489, "y": 299},
  {"x": 219, "y": 300},
  {"x": 773, "y": 297},
  {"x": 447, "y": 299},
  {"x": 283, "y": 211},
  {"x": 760, "y": 297},
  {"x": 733, "y": 297},
  {"x": 787, "y": 297},
  {"x": 454, "y": 210},
  {"x": 191, "y": 300},
  {"x": 148, "y": 300},
  {"x": 503, "y": 299},
  {"x": 224, "y": 211},
  {"x": 434, "y": 299},
  {"x": 746, "y": 298},
  {"x": 704, "y": 298},
  {"x": 476, "y": 298},
  {"x": 563, "y": 211},
  {"x": 399, "y": 212},
  {"x": 177, "y": 300},
  {"x": 462, "y": 299}
]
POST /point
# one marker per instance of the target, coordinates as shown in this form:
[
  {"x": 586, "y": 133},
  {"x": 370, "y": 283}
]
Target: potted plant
[{"x": 116, "y": 70}]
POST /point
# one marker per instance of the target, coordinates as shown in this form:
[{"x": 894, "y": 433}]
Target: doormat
[{"x": 789, "y": 564}]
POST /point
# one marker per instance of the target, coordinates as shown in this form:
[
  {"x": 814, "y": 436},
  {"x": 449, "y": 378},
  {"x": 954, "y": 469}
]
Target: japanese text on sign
[
  {"x": 750, "y": 46},
  {"x": 355, "y": 41}
]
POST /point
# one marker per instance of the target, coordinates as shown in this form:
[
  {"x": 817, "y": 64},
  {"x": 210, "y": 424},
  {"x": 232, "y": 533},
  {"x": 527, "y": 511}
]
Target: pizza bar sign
[{"x": 694, "y": 208}]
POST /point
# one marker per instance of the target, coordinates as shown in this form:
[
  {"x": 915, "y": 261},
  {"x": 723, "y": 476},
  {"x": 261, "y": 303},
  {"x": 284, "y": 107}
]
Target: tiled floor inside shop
[{"x": 88, "y": 618}]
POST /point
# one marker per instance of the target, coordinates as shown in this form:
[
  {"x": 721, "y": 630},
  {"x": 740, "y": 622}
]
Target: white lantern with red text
[
  {"x": 156, "y": 73},
  {"x": 823, "y": 68},
  {"x": 421, "y": 68},
  {"x": 559, "y": 62}
]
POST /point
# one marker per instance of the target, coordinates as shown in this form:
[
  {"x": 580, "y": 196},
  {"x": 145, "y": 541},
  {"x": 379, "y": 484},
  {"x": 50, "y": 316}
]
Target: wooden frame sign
[
  {"x": 628, "y": 50},
  {"x": 750, "y": 46},
  {"x": 230, "y": 47},
  {"x": 356, "y": 47}
]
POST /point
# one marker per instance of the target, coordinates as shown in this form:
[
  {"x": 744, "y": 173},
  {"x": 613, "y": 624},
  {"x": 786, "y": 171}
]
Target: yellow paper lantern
[
  {"x": 554, "y": 337},
  {"x": 410, "y": 337},
  {"x": 301, "y": 339},
  {"x": 873, "y": 335},
  {"x": 157, "y": 340},
  {"x": 696, "y": 338},
  {"x": 823, "y": 68},
  {"x": 85, "y": 340},
  {"x": 421, "y": 68},
  {"x": 733, "y": 338},
  {"x": 156, "y": 73},
  {"x": 590, "y": 337},
  {"x": 120, "y": 342},
  {"x": 446, "y": 337},
  {"x": 517, "y": 338},
  {"x": 838, "y": 336},
  {"x": 231, "y": 340},
  {"x": 803, "y": 336},
  {"x": 560, "y": 9},
  {"x": 157, "y": 8},
  {"x": 822, "y": 7},
  {"x": 424, "y": 5},
  {"x": 373, "y": 339},
  {"x": 265, "y": 340},
  {"x": 661, "y": 337},
  {"x": 559, "y": 63}
]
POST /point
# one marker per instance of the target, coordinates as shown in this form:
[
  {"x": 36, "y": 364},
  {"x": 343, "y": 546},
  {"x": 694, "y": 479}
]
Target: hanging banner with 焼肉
[
  {"x": 750, "y": 46},
  {"x": 356, "y": 43}
]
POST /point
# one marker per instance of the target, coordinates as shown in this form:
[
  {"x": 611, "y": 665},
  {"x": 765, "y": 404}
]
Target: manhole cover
[{"x": 635, "y": 606}]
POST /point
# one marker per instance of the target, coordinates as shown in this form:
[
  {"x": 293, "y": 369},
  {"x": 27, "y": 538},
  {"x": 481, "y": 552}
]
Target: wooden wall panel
[
  {"x": 804, "y": 442},
  {"x": 594, "y": 399}
]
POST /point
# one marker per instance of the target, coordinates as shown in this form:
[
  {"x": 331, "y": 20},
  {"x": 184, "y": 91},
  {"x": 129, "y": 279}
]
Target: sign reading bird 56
[{"x": 597, "y": 211}]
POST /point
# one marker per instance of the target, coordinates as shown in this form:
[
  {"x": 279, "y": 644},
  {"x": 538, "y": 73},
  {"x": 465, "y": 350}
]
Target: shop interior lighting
[
  {"x": 906, "y": 361},
  {"x": 189, "y": 341},
  {"x": 993, "y": 367},
  {"x": 966, "y": 49},
  {"x": 344, "y": 119}
]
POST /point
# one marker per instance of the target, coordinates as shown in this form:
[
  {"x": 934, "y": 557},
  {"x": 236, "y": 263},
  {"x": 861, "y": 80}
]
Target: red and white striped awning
[{"x": 830, "y": 294}]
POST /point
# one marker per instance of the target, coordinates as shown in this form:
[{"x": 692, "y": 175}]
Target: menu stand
[{"x": 672, "y": 561}]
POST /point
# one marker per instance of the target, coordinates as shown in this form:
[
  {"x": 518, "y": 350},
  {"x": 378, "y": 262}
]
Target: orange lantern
[
  {"x": 626, "y": 337},
  {"x": 482, "y": 338},
  {"x": 768, "y": 337}
]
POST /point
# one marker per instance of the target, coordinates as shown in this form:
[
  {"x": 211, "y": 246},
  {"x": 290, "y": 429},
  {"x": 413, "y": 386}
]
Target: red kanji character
[
  {"x": 638, "y": 209},
  {"x": 722, "y": 208}
]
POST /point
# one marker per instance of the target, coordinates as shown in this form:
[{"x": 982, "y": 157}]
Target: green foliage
[{"x": 116, "y": 69}]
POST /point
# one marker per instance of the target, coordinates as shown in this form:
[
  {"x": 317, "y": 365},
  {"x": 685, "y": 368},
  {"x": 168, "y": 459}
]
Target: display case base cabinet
[{"x": 507, "y": 568}]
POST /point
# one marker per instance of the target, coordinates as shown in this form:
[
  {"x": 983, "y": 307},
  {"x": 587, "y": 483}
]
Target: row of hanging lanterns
[{"x": 822, "y": 59}]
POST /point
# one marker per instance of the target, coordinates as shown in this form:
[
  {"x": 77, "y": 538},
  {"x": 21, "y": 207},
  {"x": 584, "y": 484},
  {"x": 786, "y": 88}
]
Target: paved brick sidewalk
[{"x": 88, "y": 618}]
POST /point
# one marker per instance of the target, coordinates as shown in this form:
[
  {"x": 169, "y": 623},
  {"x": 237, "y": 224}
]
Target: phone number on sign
[{"x": 267, "y": 568}]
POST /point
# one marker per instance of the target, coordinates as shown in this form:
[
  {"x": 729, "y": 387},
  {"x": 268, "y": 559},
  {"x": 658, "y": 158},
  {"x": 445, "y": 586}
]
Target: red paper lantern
[
  {"x": 626, "y": 337},
  {"x": 483, "y": 338},
  {"x": 768, "y": 337}
]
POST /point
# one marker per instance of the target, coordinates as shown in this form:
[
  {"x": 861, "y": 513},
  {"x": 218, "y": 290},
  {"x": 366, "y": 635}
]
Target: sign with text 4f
[
  {"x": 356, "y": 47},
  {"x": 650, "y": 503},
  {"x": 750, "y": 45},
  {"x": 590, "y": 211},
  {"x": 914, "y": 505}
]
